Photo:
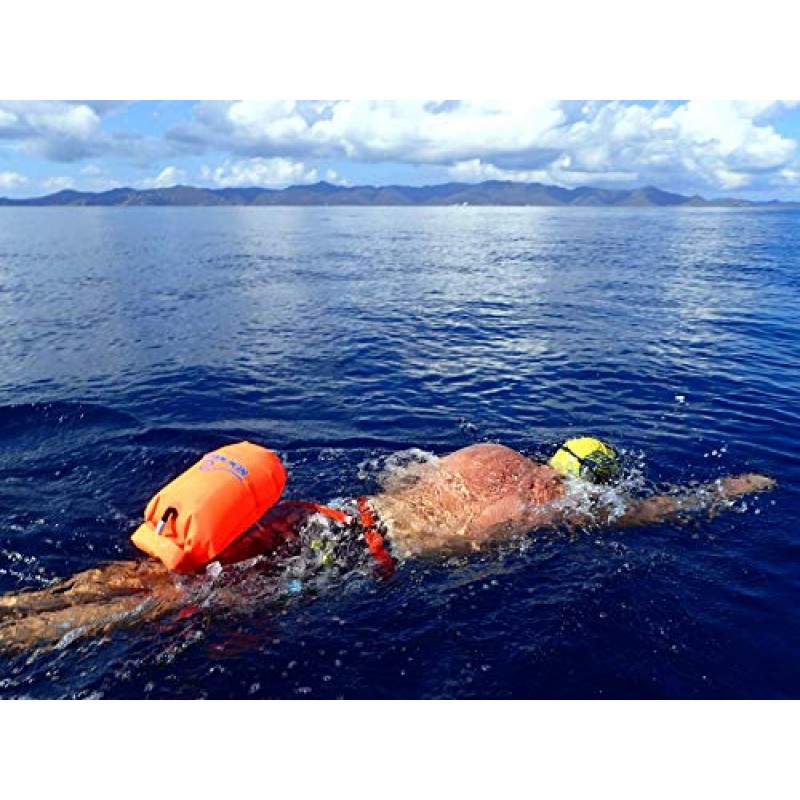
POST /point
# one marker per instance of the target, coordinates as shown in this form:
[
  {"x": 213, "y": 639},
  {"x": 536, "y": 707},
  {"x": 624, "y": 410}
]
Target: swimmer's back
[{"x": 465, "y": 498}]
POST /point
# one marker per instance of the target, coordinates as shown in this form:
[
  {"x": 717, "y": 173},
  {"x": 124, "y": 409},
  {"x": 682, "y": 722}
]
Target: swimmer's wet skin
[{"x": 462, "y": 502}]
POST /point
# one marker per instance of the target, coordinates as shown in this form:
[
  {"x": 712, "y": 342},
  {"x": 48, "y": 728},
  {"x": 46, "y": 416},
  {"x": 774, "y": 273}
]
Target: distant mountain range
[{"x": 489, "y": 193}]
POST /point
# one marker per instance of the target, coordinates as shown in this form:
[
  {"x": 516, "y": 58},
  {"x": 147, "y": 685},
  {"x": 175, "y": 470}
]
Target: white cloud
[
  {"x": 60, "y": 119},
  {"x": 56, "y": 130},
  {"x": 12, "y": 180},
  {"x": 560, "y": 173},
  {"x": 473, "y": 170},
  {"x": 169, "y": 176},
  {"x": 95, "y": 178},
  {"x": 260, "y": 172},
  {"x": 8, "y": 120},
  {"x": 419, "y": 131},
  {"x": 723, "y": 143},
  {"x": 71, "y": 131},
  {"x": 250, "y": 128},
  {"x": 59, "y": 183},
  {"x": 267, "y": 119},
  {"x": 703, "y": 145}
]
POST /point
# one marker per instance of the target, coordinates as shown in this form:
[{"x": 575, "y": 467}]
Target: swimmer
[{"x": 464, "y": 502}]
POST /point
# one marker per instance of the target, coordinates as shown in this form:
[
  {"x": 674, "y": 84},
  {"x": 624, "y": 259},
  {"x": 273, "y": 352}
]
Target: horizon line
[{"x": 346, "y": 187}]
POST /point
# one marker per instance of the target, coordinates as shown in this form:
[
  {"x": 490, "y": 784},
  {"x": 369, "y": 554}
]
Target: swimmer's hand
[{"x": 737, "y": 485}]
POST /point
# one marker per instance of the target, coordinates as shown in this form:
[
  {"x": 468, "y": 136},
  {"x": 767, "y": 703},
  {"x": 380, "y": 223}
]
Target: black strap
[{"x": 170, "y": 513}]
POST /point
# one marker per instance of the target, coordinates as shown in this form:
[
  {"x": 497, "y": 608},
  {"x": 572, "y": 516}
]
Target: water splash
[{"x": 397, "y": 471}]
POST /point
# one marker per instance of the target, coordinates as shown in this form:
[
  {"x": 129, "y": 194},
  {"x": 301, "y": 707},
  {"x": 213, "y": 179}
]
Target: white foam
[{"x": 397, "y": 470}]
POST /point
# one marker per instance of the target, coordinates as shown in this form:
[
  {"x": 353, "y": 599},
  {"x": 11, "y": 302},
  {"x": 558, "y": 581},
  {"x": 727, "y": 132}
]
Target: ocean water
[{"x": 350, "y": 340}]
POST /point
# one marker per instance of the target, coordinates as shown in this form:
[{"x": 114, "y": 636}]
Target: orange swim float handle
[{"x": 204, "y": 510}]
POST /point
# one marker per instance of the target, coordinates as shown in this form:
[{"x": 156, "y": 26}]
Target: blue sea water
[{"x": 135, "y": 340}]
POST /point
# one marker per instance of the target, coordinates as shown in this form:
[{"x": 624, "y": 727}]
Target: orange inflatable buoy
[{"x": 196, "y": 516}]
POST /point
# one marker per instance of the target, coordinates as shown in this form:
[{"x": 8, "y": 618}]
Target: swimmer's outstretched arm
[
  {"x": 705, "y": 499},
  {"x": 122, "y": 593},
  {"x": 92, "y": 602},
  {"x": 105, "y": 582},
  {"x": 122, "y": 578}
]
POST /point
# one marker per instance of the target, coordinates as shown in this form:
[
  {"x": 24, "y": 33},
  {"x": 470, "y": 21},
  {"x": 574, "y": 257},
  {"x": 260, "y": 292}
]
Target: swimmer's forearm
[
  {"x": 652, "y": 510},
  {"x": 704, "y": 499}
]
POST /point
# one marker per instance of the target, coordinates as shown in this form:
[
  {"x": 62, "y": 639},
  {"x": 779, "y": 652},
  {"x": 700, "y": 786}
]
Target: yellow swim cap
[{"x": 587, "y": 458}]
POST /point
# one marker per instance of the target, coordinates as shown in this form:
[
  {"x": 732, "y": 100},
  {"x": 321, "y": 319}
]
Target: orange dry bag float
[{"x": 194, "y": 518}]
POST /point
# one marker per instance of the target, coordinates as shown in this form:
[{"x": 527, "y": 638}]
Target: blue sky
[{"x": 713, "y": 148}]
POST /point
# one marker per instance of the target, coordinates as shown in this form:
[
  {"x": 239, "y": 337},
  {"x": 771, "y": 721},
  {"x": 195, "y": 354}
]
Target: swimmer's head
[{"x": 588, "y": 459}]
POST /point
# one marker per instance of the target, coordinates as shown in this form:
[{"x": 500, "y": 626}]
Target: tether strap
[
  {"x": 581, "y": 460},
  {"x": 331, "y": 513},
  {"x": 587, "y": 460},
  {"x": 374, "y": 539}
]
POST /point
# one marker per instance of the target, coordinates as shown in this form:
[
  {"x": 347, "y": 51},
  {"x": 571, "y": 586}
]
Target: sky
[{"x": 714, "y": 148}]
